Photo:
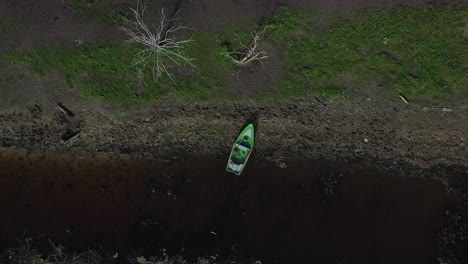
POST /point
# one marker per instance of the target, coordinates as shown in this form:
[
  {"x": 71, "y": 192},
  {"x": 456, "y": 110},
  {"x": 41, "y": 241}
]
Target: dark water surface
[{"x": 311, "y": 210}]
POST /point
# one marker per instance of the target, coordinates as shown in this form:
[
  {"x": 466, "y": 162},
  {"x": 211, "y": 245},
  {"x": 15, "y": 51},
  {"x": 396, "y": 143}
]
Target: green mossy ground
[{"x": 417, "y": 52}]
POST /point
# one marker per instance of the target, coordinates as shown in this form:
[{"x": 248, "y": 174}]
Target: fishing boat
[{"x": 241, "y": 150}]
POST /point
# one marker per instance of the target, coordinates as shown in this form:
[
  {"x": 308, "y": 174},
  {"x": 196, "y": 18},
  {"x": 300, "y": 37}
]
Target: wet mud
[{"x": 294, "y": 210}]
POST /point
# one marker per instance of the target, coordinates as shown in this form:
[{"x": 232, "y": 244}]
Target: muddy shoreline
[{"x": 365, "y": 128}]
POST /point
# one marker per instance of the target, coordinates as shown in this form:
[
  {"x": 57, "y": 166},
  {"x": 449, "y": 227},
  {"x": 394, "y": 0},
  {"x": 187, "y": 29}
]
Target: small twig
[
  {"x": 320, "y": 102},
  {"x": 428, "y": 118},
  {"x": 69, "y": 138},
  {"x": 236, "y": 73},
  {"x": 65, "y": 110},
  {"x": 441, "y": 109},
  {"x": 403, "y": 98},
  {"x": 52, "y": 244},
  {"x": 344, "y": 96}
]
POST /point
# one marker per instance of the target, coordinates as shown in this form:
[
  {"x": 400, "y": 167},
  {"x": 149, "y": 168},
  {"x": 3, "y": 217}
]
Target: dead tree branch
[
  {"x": 159, "y": 45},
  {"x": 249, "y": 52}
]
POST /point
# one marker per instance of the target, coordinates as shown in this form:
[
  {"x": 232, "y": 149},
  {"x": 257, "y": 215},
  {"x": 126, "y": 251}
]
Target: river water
[{"x": 292, "y": 210}]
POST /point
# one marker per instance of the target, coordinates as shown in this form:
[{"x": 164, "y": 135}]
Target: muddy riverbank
[{"x": 368, "y": 127}]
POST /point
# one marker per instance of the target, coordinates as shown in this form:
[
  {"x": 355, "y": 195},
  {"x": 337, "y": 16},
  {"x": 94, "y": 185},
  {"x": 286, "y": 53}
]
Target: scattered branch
[
  {"x": 320, "y": 101},
  {"x": 441, "y": 109},
  {"x": 65, "y": 110},
  {"x": 403, "y": 98},
  {"x": 249, "y": 52},
  {"x": 159, "y": 46}
]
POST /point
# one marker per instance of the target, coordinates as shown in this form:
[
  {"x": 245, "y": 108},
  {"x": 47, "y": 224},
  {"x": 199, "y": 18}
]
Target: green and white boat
[{"x": 241, "y": 150}]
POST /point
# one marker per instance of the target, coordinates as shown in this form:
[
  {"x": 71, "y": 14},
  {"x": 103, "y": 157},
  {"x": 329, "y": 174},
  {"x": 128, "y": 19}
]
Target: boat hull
[{"x": 241, "y": 150}]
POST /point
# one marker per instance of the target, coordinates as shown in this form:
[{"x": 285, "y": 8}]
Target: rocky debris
[{"x": 453, "y": 240}]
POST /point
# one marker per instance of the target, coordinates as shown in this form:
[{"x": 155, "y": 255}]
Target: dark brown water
[{"x": 309, "y": 211}]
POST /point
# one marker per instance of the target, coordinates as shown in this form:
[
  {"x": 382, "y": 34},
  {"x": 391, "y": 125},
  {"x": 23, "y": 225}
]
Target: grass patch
[
  {"x": 209, "y": 76},
  {"x": 113, "y": 17},
  {"x": 83, "y": 4},
  {"x": 3, "y": 28},
  {"x": 416, "y": 52},
  {"x": 104, "y": 72},
  {"x": 100, "y": 71},
  {"x": 99, "y": 11},
  {"x": 6, "y": 28}
]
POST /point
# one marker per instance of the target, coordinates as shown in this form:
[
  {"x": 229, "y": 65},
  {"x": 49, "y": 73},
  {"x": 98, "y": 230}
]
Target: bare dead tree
[
  {"x": 249, "y": 52},
  {"x": 160, "y": 47}
]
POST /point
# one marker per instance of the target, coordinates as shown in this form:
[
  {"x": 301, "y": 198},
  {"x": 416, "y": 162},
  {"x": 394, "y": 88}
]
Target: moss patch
[{"x": 412, "y": 51}]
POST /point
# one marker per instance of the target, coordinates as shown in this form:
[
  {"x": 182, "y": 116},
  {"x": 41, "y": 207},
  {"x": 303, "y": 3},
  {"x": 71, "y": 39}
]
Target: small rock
[
  {"x": 364, "y": 52},
  {"x": 413, "y": 73},
  {"x": 394, "y": 56},
  {"x": 307, "y": 66}
]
